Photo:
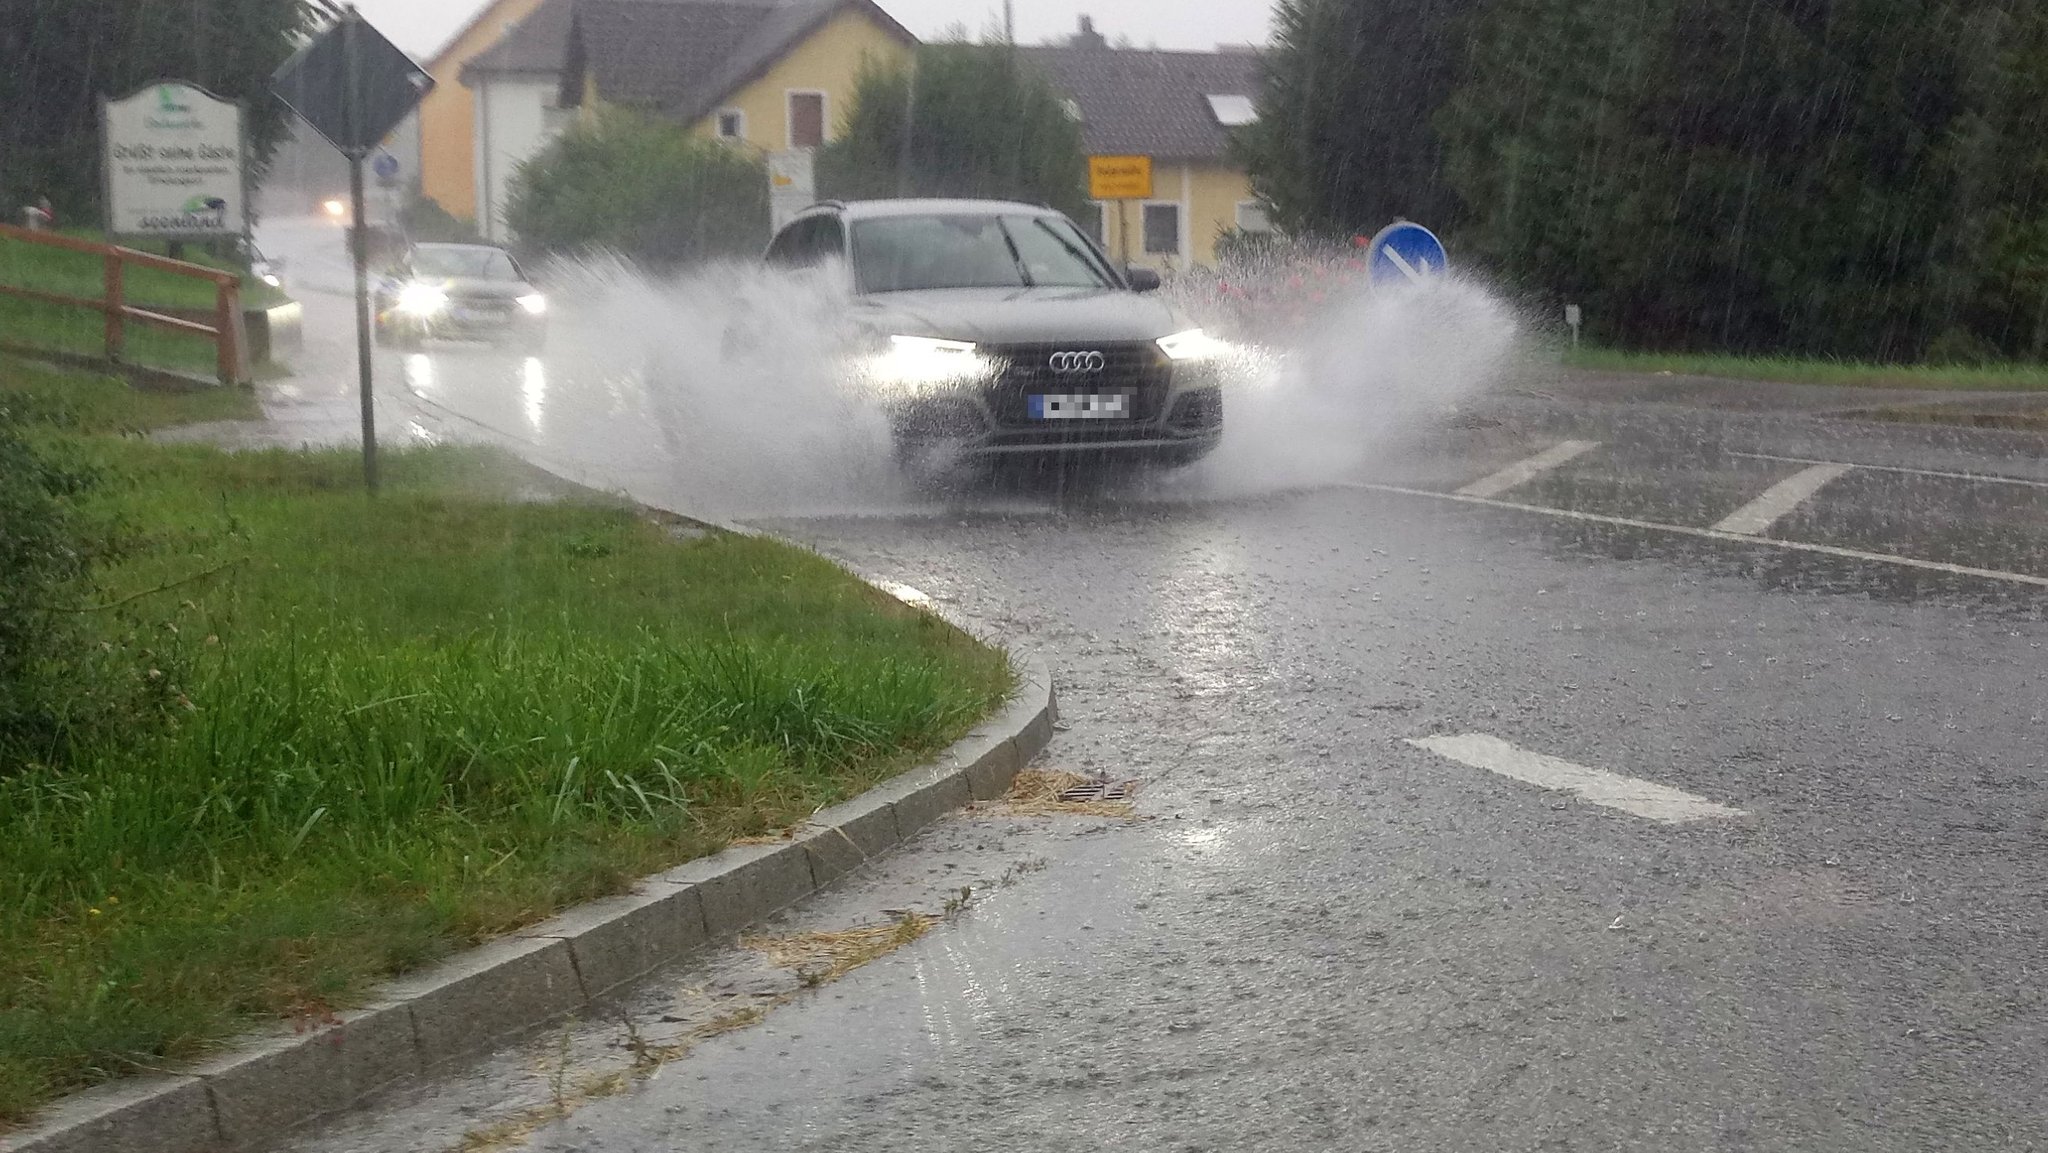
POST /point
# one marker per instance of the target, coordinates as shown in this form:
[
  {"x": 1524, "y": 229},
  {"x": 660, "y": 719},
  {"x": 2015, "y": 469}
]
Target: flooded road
[{"x": 1568, "y": 772}]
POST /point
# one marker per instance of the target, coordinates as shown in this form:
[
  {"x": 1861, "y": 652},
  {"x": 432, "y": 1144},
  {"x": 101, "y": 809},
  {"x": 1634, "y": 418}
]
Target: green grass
[
  {"x": 57, "y": 328},
  {"x": 81, "y": 332},
  {"x": 398, "y": 726},
  {"x": 2011, "y": 378},
  {"x": 67, "y": 402}
]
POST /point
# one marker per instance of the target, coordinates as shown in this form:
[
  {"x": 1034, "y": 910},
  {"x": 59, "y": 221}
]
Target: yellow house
[
  {"x": 1179, "y": 109},
  {"x": 448, "y": 116},
  {"x": 775, "y": 76}
]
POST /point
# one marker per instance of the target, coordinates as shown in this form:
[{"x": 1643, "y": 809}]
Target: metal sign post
[{"x": 354, "y": 86}]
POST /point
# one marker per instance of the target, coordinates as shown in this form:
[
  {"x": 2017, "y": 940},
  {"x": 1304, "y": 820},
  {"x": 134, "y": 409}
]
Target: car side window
[
  {"x": 828, "y": 242},
  {"x": 808, "y": 243},
  {"x": 787, "y": 250}
]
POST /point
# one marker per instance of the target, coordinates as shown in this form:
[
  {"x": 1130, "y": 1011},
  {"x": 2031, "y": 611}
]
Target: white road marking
[
  {"x": 1711, "y": 534},
  {"x": 1980, "y": 477},
  {"x": 1778, "y": 501},
  {"x": 1612, "y": 790},
  {"x": 1523, "y": 471}
]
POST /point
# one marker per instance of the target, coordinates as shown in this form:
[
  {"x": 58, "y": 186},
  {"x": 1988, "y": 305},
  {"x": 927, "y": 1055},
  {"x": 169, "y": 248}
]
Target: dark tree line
[
  {"x": 962, "y": 120},
  {"x": 1863, "y": 178},
  {"x": 62, "y": 56}
]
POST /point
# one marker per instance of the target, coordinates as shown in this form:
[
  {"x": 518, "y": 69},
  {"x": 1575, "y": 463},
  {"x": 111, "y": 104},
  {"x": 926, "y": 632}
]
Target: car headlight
[
  {"x": 273, "y": 280},
  {"x": 1193, "y": 345},
  {"x": 535, "y": 304},
  {"x": 422, "y": 299},
  {"x": 336, "y": 208},
  {"x": 913, "y": 361}
]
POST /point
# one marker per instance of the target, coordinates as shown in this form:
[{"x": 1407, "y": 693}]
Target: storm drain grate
[{"x": 1094, "y": 791}]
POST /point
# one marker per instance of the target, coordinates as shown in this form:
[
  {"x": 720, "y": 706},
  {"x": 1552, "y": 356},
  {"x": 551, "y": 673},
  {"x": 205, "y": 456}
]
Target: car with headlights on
[
  {"x": 460, "y": 292},
  {"x": 991, "y": 329}
]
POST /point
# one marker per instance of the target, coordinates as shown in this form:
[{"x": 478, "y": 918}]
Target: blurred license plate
[{"x": 1081, "y": 406}]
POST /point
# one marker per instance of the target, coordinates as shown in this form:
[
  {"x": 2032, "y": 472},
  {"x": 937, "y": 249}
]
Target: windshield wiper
[
  {"x": 1086, "y": 260},
  {"x": 1016, "y": 254}
]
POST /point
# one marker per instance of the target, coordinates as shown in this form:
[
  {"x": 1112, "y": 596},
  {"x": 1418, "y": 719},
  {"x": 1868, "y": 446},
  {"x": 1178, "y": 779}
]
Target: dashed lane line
[
  {"x": 1709, "y": 534},
  {"x": 1523, "y": 471},
  {"x": 1778, "y": 501},
  {"x": 1979, "y": 477},
  {"x": 1610, "y": 790}
]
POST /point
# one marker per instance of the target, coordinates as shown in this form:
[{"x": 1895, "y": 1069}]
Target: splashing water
[
  {"x": 1356, "y": 380},
  {"x": 742, "y": 399},
  {"x": 739, "y": 388}
]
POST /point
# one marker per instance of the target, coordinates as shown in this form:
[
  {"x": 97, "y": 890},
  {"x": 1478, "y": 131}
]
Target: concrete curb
[{"x": 252, "y": 1097}]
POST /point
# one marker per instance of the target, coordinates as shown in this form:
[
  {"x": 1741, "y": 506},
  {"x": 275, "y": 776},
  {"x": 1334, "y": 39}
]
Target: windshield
[
  {"x": 908, "y": 253},
  {"x": 469, "y": 263}
]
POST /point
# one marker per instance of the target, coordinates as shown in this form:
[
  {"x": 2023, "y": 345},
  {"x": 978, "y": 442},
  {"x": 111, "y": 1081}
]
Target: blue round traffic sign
[
  {"x": 385, "y": 166},
  {"x": 1405, "y": 253}
]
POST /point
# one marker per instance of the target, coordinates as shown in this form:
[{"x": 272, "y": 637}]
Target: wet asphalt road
[{"x": 1316, "y": 935}]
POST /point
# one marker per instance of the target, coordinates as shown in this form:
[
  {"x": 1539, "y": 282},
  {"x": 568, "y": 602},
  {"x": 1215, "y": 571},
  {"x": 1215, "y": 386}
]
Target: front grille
[
  {"x": 1139, "y": 370},
  {"x": 494, "y": 307}
]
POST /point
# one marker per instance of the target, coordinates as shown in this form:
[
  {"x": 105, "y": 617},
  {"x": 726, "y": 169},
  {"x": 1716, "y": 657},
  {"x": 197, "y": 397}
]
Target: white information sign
[
  {"x": 174, "y": 157},
  {"x": 792, "y": 185}
]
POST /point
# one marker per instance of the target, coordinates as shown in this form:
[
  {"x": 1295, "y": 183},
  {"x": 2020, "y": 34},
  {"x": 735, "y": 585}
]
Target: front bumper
[{"x": 1170, "y": 410}]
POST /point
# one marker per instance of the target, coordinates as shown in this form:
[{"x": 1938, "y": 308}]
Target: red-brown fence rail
[{"x": 224, "y": 328}]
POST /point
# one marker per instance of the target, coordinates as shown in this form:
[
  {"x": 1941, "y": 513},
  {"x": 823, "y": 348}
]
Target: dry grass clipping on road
[
  {"x": 823, "y": 956},
  {"x": 1039, "y": 794}
]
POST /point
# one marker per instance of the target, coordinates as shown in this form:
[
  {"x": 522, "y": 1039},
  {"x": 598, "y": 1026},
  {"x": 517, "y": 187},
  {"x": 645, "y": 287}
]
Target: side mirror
[{"x": 1142, "y": 279}]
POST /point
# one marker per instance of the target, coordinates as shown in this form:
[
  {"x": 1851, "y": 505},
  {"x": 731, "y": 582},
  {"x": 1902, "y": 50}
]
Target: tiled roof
[
  {"x": 1148, "y": 103},
  {"x": 539, "y": 43},
  {"x": 679, "y": 56}
]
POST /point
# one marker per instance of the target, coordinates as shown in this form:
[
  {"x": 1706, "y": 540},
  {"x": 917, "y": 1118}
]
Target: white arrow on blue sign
[{"x": 1405, "y": 253}]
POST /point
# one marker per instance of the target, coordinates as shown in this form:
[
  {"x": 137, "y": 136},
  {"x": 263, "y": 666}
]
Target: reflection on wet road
[{"x": 1319, "y": 934}]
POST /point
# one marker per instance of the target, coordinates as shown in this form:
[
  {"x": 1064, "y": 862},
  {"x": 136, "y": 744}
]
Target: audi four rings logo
[{"x": 1072, "y": 363}]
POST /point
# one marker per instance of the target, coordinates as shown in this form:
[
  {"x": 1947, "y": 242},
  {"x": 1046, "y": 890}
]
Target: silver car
[{"x": 995, "y": 329}]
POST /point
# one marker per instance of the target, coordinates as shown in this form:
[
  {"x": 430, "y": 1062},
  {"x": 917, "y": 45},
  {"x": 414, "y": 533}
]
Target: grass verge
[
  {"x": 382, "y": 730},
  {"x": 2008, "y": 378}
]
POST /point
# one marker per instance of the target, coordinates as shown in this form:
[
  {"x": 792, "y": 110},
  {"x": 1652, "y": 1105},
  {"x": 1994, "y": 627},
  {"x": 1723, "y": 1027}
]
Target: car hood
[{"x": 1020, "y": 315}]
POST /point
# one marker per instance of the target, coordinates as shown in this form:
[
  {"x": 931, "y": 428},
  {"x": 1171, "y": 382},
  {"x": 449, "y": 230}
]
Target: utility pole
[{"x": 1009, "y": 21}]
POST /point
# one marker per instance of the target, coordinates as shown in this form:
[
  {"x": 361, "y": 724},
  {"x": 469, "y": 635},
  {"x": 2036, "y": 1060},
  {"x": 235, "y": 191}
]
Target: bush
[
  {"x": 644, "y": 188},
  {"x": 42, "y": 564}
]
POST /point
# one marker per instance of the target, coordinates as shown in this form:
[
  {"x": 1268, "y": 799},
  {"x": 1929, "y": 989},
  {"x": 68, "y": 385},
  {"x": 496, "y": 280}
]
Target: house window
[
  {"x": 1252, "y": 217},
  {"x": 1162, "y": 230},
  {"x": 1233, "y": 111},
  {"x": 732, "y": 124},
  {"x": 806, "y": 119}
]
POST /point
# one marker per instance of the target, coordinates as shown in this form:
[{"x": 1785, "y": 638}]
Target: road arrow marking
[{"x": 1609, "y": 790}]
